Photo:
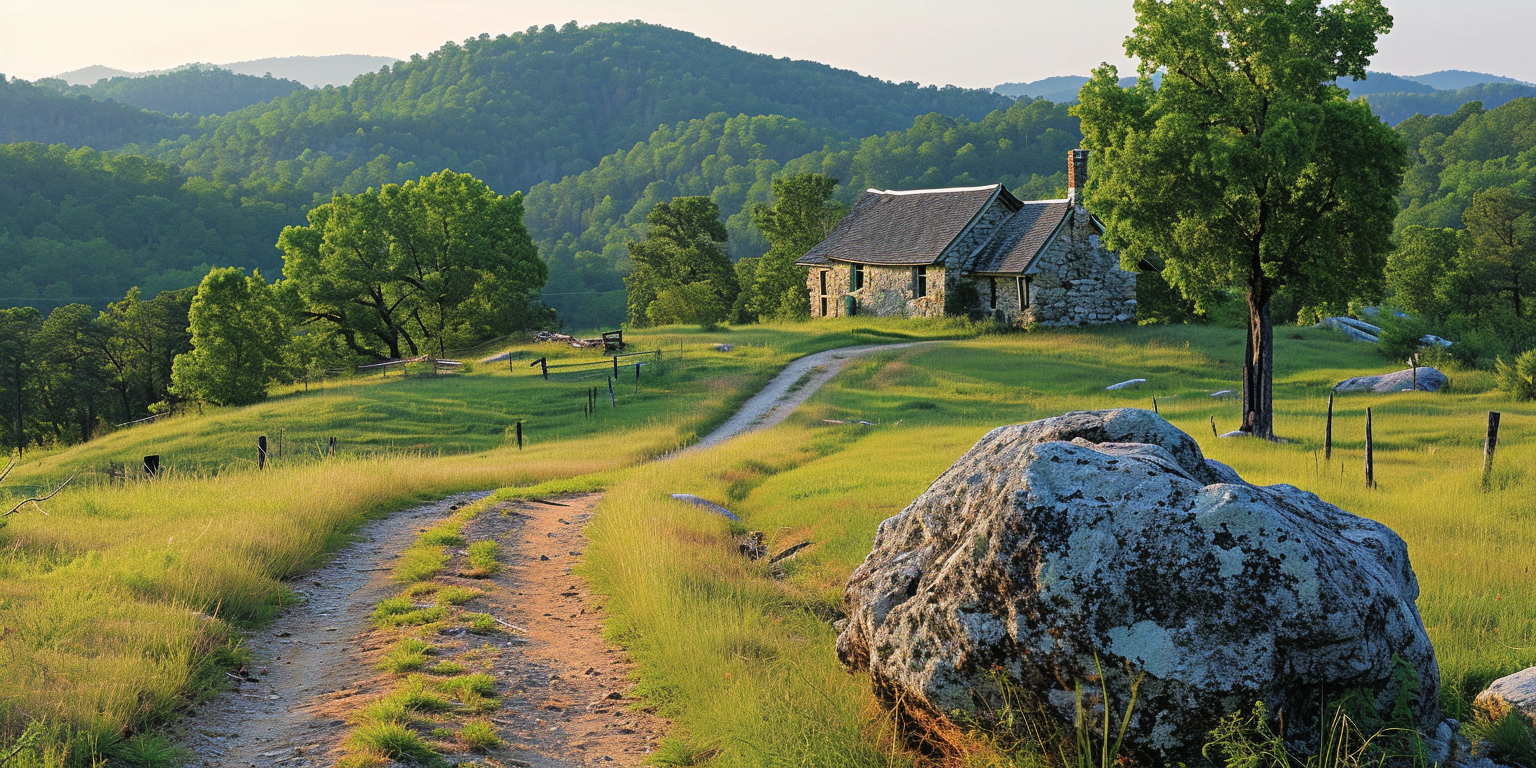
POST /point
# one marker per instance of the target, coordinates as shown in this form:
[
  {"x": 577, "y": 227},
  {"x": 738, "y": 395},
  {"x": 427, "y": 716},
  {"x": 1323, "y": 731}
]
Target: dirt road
[{"x": 562, "y": 701}]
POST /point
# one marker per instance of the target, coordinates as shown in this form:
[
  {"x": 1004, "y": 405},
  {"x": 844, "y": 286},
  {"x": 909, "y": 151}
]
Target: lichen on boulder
[{"x": 1107, "y": 540}]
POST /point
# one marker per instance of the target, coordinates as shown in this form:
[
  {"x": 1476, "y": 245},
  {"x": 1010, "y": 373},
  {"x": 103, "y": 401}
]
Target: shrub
[
  {"x": 480, "y": 622},
  {"x": 1512, "y": 736},
  {"x": 1518, "y": 380},
  {"x": 419, "y": 563}
]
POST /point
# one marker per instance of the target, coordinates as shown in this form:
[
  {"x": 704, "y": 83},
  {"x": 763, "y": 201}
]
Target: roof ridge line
[{"x": 935, "y": 190}]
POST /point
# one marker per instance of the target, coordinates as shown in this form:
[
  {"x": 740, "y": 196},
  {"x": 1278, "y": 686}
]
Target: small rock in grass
[
  {"x": 544, "y": 557},
  {"x": 1426, "y": 380},
  {"x": 1130, "y": 384},
  {"x": 1513, "y": 693}
]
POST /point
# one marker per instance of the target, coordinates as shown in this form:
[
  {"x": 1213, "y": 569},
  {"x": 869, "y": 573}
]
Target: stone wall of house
[
  {"x": 1079, "y": 282},
  {"x": 961, "y": 253},
  {"x": 887, "y": 291}
]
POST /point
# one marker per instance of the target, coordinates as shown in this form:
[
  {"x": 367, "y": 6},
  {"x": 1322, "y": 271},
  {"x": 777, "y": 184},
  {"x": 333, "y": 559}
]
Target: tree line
[{"x": 402, "y": 271}]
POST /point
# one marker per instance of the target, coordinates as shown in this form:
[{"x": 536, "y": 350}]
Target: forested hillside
[
  {"x": 535, "y": 106},
  {"x": 77, "y": 225},
  {"x": 1458, "y": 155},
  {"x": 190, "y": 90},
  {"x": 1397, "y": 107},
  {"x": 31, "y": 112}
]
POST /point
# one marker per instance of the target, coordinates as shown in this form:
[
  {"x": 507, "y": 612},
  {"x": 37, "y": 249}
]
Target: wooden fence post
[
  {"x": 611, "y": 401},
  {"x": 1490, "y": 443},
  {"x": 1370, "y": 453},
  {"x": 1328, "y": 432},
  {"x": 615, "y": 366},
  {"x": 1213, "y": 427},
  {"x": 1154, "y": 406},
  {"x": 261, "y": 452},
  {"x": 519, "y": 435},
  {"x": 543, "y": 364},
  {"x": 330, "y": 447}
]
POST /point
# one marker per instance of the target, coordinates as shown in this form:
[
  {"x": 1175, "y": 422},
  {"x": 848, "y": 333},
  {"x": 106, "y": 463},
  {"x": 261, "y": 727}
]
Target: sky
[{"x": 973, "y": 43}]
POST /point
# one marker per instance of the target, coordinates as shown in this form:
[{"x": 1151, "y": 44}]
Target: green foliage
[
  {"x": 393, "y": 740},
  {"x": 465, "y": 686},
  {"x": 1246, "y": 168},
  {"x": 1512, "y": 735},
  {"x": 1518, "y": 379},
  {"x": 1401, "y": 337},
  {"x": 1418, "y": 271},
  {"x": 681, "y": 271},
  {"x": 482, "y": 559},
  {"x": 148, "y": 750},
  {"x": 1456, "y": 156},
  {"x": 408, "y": 655},
  {"x": 191, "y": 90},
  {"x": 30, "y": 112},
  {"x": 80, "y": 225},
  {"x": 416, "y": 267},
  {"x": 238, "y": 340},
  {"x": 479, "y": 736},
  {"x": 1398, "y": 106},
  {"x": 534, "y": 106},
  {"x": 802, "y": 215},
  {"x": 457, "y": 595},
  {"x": 401, "y": 612}
]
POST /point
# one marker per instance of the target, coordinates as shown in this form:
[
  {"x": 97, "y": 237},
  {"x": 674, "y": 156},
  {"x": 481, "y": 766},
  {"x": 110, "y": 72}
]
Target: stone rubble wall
[
  {"x": 1079, "y": 282},
  {"x": 887, "y": 291}
]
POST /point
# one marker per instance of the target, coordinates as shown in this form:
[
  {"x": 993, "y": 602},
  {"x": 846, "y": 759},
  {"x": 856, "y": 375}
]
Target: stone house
[{"x": 972, "y": 251}]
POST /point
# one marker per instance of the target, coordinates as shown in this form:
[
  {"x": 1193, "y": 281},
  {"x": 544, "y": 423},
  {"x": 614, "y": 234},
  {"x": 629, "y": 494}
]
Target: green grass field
[
  {"x": 743, "y": 659},
  {"x": 118, "y": 602}
]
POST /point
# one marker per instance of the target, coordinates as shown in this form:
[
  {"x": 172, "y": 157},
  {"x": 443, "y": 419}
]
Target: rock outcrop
[
  {"x": 1514, "y": 693},
  {"x": 1108, "y": 536},
  {"x": 1424, "y": 379}
]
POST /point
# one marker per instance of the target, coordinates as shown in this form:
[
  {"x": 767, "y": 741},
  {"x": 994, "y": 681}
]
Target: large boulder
[
  {"x": 1424, "y": 379},
  {"x": 1106, "y": 539}
]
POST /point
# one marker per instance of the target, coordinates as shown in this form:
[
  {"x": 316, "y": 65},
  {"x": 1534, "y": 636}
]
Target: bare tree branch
[
  {"x": 36, "y": 499},
  {"x": 8, "y": 469}
]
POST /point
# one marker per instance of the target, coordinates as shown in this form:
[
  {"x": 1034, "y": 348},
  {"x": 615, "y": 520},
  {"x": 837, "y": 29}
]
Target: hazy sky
[{"x": 964, "y": 42}]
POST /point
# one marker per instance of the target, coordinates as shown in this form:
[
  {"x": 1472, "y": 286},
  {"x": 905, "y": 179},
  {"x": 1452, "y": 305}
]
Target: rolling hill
[{"x": 190, "y": 90}]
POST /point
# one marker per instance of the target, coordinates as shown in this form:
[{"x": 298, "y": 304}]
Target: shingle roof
[
  {"x": 1021, "y": 237},
  {"x": 902, "y": 228}
]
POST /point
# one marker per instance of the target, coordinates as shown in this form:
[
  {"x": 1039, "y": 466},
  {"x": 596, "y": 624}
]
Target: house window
[
  {"x": 1023, "y": 292},
  {"x": 823, "y": 306},
  {"x": 919, "y": 282},
  {"x": 823, "y": 287},
  {"x": 858, "y": 276},
  {"x": 992, "y": 293}
]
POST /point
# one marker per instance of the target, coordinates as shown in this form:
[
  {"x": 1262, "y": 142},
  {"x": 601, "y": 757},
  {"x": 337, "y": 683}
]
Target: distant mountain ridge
[
  {"x": 1395, "y": 98},
  {"x": 312, "y": 71},
  {"x": 192, "y": 90}
]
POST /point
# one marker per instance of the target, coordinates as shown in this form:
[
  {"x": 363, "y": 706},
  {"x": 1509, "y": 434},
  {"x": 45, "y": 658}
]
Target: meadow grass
[
  {"x": 741, "y": 655},
  {"x": 121, "y": 600}
]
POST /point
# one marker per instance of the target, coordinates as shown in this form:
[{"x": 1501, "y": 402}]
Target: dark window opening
[
  {"x": 823, "y": 306},
  {"x": 919, "y": 282},
  {"x": 1023, "y": 292},
  {"x": 823, "y": 285},
  {"x": 992, "y": 293},
  {"x": 858, "y": 276}
]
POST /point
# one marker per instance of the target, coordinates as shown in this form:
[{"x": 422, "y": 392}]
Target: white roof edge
[
  {"x": 931, "y": 191},
  {"x": 1058, "y": 200}
]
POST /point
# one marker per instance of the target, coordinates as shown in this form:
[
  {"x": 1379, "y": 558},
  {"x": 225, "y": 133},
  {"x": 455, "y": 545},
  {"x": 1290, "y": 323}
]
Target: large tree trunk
[{"x": 1259, "y": 366}]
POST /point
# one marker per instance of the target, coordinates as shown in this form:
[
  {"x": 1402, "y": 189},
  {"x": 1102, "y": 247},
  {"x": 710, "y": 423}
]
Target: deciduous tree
[
  {"x": 1248, "y": 167},
  {"x": 417, "y": 267},
  {"x": 238, "y": 340},
  {"x": 802, "y": 215},
  {"x": 681, "y": 272}
]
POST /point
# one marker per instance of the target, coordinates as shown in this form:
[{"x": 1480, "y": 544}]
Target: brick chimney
[{"x": 1077, "y": 174}]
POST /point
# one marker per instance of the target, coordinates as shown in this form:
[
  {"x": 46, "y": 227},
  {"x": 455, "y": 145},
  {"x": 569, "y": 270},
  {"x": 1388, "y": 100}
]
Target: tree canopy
[
  {"x": 1248, "y": 167},
  {"x": 802, "y": 215},
  {"x": 416, "y": 267},
  {"x": 681, "y": 272},
  {"x": 238, "y": 338}
]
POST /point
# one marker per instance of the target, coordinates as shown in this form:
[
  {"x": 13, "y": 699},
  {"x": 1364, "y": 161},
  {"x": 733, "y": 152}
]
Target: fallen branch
[
  {"x": 37, "y": 499},
  {"x": 513, "y": 627},
  {"x": 538, "y": 500},
  {"x": 7, "y": 471}
]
